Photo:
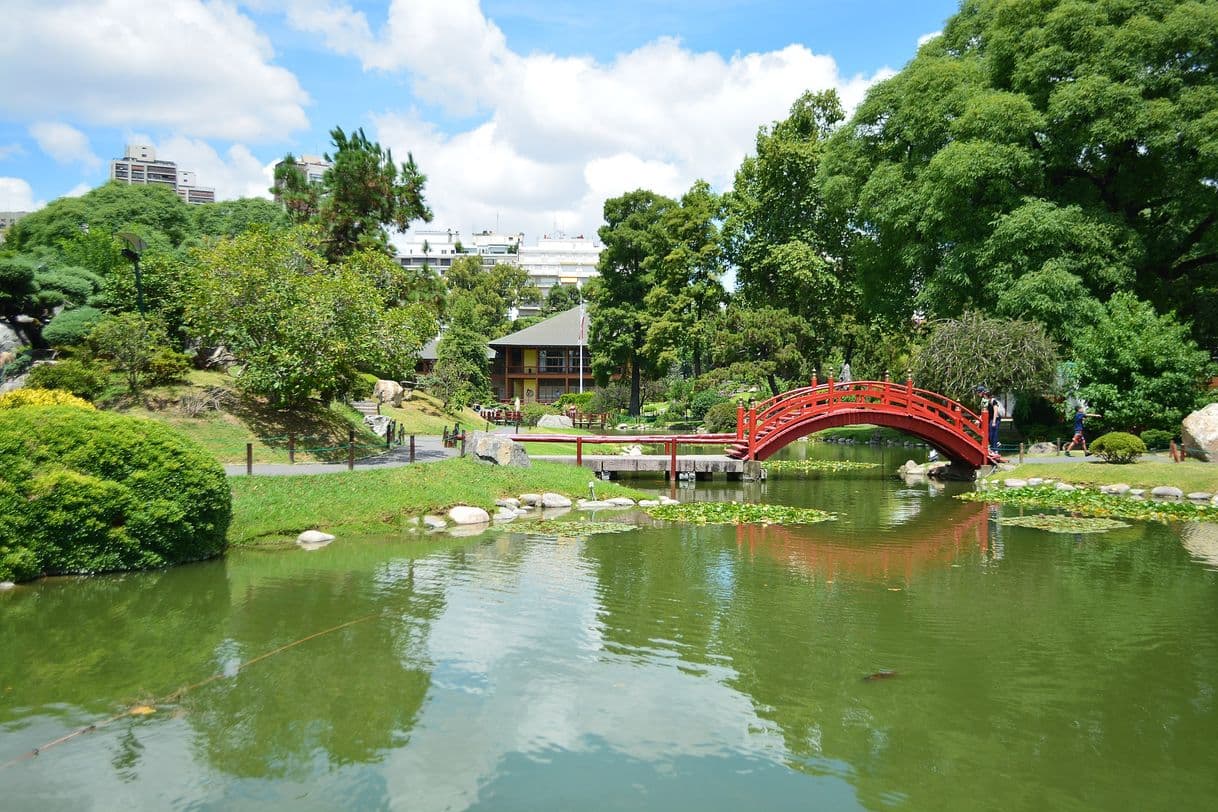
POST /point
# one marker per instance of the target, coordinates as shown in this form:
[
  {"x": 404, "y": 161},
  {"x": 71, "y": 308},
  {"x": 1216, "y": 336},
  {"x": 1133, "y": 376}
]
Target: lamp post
[{"x": 133, "y": 248}]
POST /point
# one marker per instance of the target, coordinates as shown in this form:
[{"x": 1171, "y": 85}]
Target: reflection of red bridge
[
  {"x": 940, "y": 421},
  {"x": 821, "y": 549}
]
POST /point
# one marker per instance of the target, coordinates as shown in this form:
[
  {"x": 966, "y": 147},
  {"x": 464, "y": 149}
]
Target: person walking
[
  {"x": 994, "y": 412},
  {"x": 1079, "y": 416}
]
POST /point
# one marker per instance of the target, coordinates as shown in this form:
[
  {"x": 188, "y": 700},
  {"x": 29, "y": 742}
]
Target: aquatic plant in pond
[
  {"x": 1064, "y": 524},
  {"x": 569, "y": 529},
  {"x": 737, "y": 513},
  {"x": 1093, "y": 503},
  {"x": 816, "y": 466}
]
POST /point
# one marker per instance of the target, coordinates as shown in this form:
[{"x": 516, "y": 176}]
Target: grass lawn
[
  {"x": 423, "y": 414},
  {"x": 273, "y": 508},
  {"x": 321, "y": 431},
  {"x": 1188, "y": 476}
]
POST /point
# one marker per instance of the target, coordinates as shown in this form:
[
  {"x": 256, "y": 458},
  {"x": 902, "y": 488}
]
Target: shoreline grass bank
[{"x": 272, "y": 508}]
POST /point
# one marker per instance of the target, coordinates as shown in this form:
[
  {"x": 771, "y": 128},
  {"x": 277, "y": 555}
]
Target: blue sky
[{"x": 523, "y": 113}]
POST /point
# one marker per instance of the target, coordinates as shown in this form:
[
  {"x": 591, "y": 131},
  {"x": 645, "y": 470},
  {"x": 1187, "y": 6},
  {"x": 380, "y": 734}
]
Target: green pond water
[{"x": 666, "y": 668}]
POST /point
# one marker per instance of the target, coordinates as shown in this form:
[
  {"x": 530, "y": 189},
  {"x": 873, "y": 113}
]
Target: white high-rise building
[
  {"x": 559, "y": 260},
  {"x": 139, "y": 164}
]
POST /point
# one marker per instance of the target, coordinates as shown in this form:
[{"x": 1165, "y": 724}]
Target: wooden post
[
  {"x": 814, "y": 383},
  {"x": 389, "y": 436},
  {"x": 1021, "y": 453},
  {"x": 985, "y": 430},
  {"x": 351, "y": 450},
  {"x": 291, "y": 449},
  {"x": 579, "y": 451},
  {"x": 740, "y": 421},
  {"x": 672, "y": 458},
  {"x": 412, "y": 448},
  {"x": 752, "y": 432},
  {"x": 249, "y": 459}
]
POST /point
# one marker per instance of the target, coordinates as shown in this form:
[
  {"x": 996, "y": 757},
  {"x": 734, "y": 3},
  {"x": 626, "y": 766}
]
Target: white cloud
[
  {"x": 11, "y": 151},
  {"x": 78, "y": 190},
  {"x": 197, "y": 67},
  {"x": 560, "y": 134},
  {"x": 925, "y": 38},
  {"x": 17, "y": 195},
  {"x": 64, "y": 143}
]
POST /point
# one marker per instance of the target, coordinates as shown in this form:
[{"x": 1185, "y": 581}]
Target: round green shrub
[
  {"x": 87, "y": 491},
  {"x": 530, "y": 413},
  {"x": 701, "y": 403},
  {"x": 1118, "y": 446},
  {"x": 1157, "y": 438},
  {"x": 580, "y": 400},
  {"x": 721, "y": 418},
  {"x": 167, "y": 366},
  {"x": 71, "y": 326},
  {"x": 80, "y": 379}
]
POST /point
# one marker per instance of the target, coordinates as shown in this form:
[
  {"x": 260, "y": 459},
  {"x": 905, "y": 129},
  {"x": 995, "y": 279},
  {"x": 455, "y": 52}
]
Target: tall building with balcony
[
  {"x": 438, "y": 247},
  {"x": 559, "y": 260},
  {"x": 139, "y": 165}
]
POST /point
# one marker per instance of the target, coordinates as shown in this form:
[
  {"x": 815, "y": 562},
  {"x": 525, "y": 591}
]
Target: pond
[{"x": 914, "y": 654}]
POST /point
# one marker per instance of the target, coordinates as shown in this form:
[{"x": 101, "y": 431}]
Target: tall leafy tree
[
  {"x": 1040, "y": 150},
  {"x": 492, "y": 292},
  {"x": 688, "y": 279},
  {"x": 762, "y": 343},
  {"x": 152, "y": 210},
  {"x": 364, "y": 193},
  {"x": 1137, "y": 368},
  {"x": 974, "y": 349},
  {"x": 561, "y": 298},
  {"x": 778, "y": 233},
  {"x": 634, "y": 241},
  {"x": 462, "y": 374},
  {"x": 300, "y": 197}
]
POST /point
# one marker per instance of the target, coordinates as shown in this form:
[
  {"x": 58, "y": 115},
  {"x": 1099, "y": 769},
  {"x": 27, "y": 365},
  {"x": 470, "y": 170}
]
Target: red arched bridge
[{"x": 945, "y": 424}]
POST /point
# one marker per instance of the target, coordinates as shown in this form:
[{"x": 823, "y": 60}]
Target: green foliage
[
  {"x": 1157, "y": 438},
  {"x": 80, "y": 379},
  {"x": 720, "y": 418},
  {"x": 151, "y": 209},
  {"x": 816, "y": 466},
  {"x": 1070, "y": 525},
  {"x": 1006, "y": 355},
  {"x": 65, "y": 285},
  {"x": 580, "y": 400},
  {"x": 365, "y": 192},
  {"x": 131, "y": 341},
  {"x": 300, "y": 198},
  {"x": 737, "y": 513},
  {"x": 1139, "y": 369},
  {"x": 634, "y": 240},
  {"x": 560, "y": 299},
  {"x": 17, "y": 285},
  {"x": 88, "y": 491},
  {"x": 490, "y": 293},
  {"x": 71, "y": 326},
  {"x": 298, "y": 324},
  {"x": 461, "y": 375},
  {"x": 530, "y": 413},
  {"x": 1118, "y": 447},
  {"x": 167, "y": 366},
  {"x": 702, "y": 402},
  {"x": 1093, "y": 503},
  {"x": 760, "y": 345},
  {"x": 228, "y": 218},
  {"x": 1036, "y": 158}
]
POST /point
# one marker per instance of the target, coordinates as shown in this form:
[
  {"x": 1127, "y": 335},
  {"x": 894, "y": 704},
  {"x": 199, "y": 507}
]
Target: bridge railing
[{"x": 885, "y": 396}]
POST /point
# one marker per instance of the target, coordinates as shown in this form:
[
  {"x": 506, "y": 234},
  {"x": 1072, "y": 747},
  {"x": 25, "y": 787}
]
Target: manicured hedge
[
  {"x": 86, "y": 491},
  {"x": 1118, "y": 447}
]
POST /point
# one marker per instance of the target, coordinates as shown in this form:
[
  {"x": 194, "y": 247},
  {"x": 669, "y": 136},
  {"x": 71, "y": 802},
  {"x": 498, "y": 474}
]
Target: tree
[
  {"x": 228, "y": 218},
  {"x": 779, "y": 234},
  {"x": 298, "y": 324},
  {"x": 561, "y": 298},
  {"x": 152, "y": 210},
  {"x": 492, "y": 292},
  {"x": 1138, "y": 369},
  {"x": 763, "y": 343},
  {"x": 688, "y": 280},
  {"x": 131, "y": 341},
  {"x": 634, "y": 241},
  {"x": 300, "y": 197},
  {"x": 1038, "y": 150},
  {"x": 974, "y": 349},
  {"x": 461, "y": 372},
  {"x": 365, "y": 192}
]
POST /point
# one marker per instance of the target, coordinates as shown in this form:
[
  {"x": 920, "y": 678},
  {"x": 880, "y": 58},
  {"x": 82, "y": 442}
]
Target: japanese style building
[{"x": 540, "y": 363}]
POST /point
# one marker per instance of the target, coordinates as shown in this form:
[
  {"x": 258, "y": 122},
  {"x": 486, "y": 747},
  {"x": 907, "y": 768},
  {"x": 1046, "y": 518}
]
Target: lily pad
[
  {"x": 737, "y": 513},
  {"x": 568, "y": 529},
  {"x": 1094, "y": 503},
  {"x": 816, "y": 466},
  {"x": 1064, "y": 524}
]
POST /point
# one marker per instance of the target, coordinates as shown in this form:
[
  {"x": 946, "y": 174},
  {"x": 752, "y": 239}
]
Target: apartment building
[
  {"x": 139, "y": 165},
  {"x": 559, "y": 260}
]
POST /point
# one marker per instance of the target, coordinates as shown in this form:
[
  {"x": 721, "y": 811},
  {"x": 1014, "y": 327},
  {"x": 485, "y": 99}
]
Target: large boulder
[
  {"x": 554, "y": 500},
  {"x": 391, "y": 391},
  {"x": 554, "y": 421},
  {"x": 378, "y": 423},
  {"x": 464, "y": 514},
  {"x": 1200, "y": 434},
  {"x": 1041, "y": 449},
  {"x": 496, "y": 449}
]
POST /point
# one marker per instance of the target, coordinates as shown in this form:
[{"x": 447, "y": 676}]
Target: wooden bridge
[{"x": 956, "y": 431}]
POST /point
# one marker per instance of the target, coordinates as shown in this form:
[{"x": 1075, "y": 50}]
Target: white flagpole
[{"x": 582, "y": 316}]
